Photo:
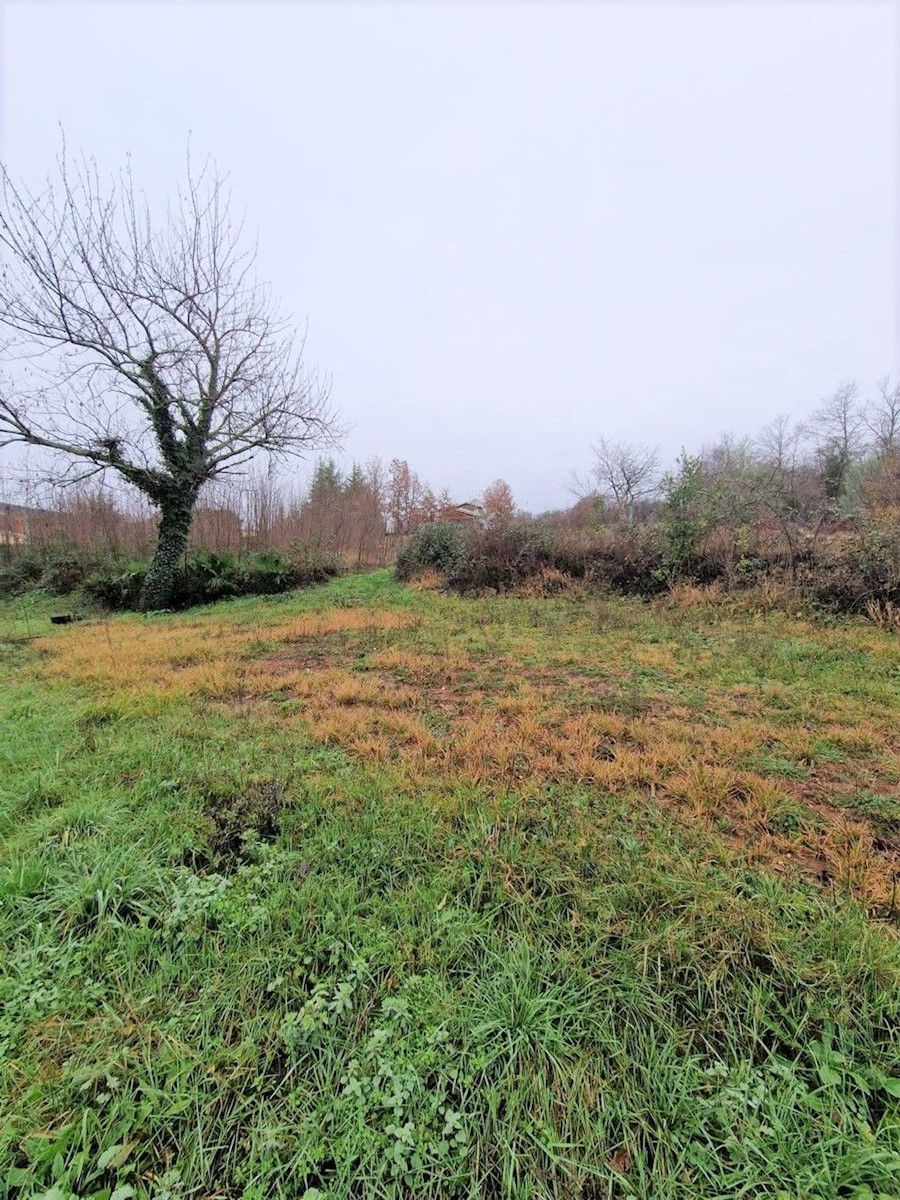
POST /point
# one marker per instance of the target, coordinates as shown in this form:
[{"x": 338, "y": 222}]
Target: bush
[
  {"x": 844, "y": 569},
  {"x": 266, "y": 573},
  {"x": 312, "y": 564},
  {"x": 207, "y": 577},
  {"x": 531, "y": 554},
  {"x": 22, "y": 572},
  {"x": 504, "y": 556},
  {"x": 630, "y": 561},
  {"x": 440, "y": 546},
  {"x": 65, "y": 571},
  {"x": 511, "y": 555},
  {"x": 60, "y": 570},
  {"x": 852, "y": 571},
  {"x": 118, "y": 589}
]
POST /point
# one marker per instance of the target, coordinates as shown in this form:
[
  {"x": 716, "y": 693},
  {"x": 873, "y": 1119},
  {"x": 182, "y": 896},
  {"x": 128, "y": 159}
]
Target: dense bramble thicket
[
  {"x": 849, "y": 571},
  {"x": 438, "y": 546},
  {"x": 729, "y": 517}
]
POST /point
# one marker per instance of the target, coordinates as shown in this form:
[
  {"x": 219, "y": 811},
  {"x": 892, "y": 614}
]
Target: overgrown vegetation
[
  {"x": 380, "y": 893},
  {"x": 807, "y": 510},
  {"x": 205, "y": 577},
  {"x": 848, "y": 570},
  {"x": 437, "y": 546}
]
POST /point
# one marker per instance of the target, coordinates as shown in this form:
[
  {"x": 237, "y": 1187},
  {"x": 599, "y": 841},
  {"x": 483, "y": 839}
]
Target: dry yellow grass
[
  {"x": 428, "y": 581},
  {"x": 201, "y": 655},
  {"x": 513, "y": 710}
]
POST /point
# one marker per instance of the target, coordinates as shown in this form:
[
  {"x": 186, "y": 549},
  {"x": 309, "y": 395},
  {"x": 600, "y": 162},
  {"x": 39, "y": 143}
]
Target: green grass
[{"x": 249, "y": 956}]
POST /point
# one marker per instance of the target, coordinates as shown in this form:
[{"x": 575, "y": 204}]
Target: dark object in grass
[
  {"x": 234, "y": 815},
  {"x": 62, "y": 619}
]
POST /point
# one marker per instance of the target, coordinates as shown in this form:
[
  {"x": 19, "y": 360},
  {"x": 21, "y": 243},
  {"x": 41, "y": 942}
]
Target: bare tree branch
[
  {"x": 882, "y": 416},
  {"x": 625, "y": 472}
]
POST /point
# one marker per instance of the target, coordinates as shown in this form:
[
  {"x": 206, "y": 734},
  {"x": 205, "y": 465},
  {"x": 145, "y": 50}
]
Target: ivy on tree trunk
[{"x": 168, "y": 559}]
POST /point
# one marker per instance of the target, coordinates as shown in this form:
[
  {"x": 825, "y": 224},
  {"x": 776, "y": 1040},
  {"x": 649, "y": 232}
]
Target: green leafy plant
[
  {"x": 439, "y": 546},
  {"x": 682, "y": 523}
]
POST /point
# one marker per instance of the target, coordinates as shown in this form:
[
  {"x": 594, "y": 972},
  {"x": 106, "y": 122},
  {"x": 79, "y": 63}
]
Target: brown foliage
[{"x": 498, "y": 501}]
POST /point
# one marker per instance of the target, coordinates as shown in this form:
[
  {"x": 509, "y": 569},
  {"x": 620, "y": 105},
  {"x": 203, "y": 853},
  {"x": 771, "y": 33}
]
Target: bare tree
[
  {"x": 882, "y": 417},
  {"x": 149, "y": 350},
  {"x": 625, "y": 472},
  {"x": 780, "y": 443},
  {"x": 837, "y": 428}
]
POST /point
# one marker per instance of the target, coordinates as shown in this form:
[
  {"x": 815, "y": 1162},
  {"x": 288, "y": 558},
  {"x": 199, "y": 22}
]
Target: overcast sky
[{"x": 514, "y": 228}]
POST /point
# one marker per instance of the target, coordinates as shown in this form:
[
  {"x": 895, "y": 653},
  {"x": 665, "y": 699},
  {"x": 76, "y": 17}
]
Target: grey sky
[{"x": 514, "y": 228}]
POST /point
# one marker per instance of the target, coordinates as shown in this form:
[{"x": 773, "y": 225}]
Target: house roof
[
  {"x": 22, "y": 510},
  {"x": 471, "y": 510}
]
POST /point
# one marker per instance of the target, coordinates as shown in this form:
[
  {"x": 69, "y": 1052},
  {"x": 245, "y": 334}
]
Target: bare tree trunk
[{"x": 162, "y": 578}]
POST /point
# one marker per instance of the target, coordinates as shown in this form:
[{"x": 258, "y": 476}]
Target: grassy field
[{"x": 370, "y": 891}]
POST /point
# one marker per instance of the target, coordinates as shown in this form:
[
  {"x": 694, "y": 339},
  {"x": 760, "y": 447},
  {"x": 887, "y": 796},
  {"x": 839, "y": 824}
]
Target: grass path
[{"x": 374, "y": 892}]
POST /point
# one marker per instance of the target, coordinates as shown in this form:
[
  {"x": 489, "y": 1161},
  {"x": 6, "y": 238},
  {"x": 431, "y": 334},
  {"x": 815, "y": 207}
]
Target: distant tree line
[
  {"x": 363, "y": 513},
  {"x": 796, "y": 480},
  {"x": 807, "y": 510}
]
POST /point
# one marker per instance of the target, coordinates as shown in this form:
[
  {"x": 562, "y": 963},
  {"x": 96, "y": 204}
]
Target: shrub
[
  {"x": 683, "y": 527},
  {"x": 312, "y": 564},
  {"x": 503, "y": 556},
  {"x": 207, "y": 577},
  {"x": 60, "y": 570},
  {"x": 630, "y": 561},
  {"x": 23, "y": 571},
  {"x": 118, "y": 588},
  {"x": 842, "y": 569},
  {"x": 265, "y": 573},
  {"x": 440, "y": 546},
  {"x": 852, "y": 570},
  {"x": 65, "y": 570},
  {"x": 531, "y": 554}
]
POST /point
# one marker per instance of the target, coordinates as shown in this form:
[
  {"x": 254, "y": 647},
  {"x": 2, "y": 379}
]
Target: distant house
[
  {"x": 464, "y": 514},
  {"x": 19, "y": 524}
]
